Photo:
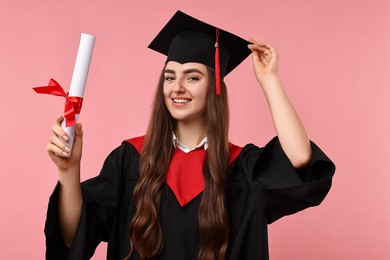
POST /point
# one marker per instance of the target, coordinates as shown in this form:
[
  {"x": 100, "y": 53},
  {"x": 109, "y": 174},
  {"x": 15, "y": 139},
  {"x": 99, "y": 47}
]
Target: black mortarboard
[{"x": 186, "y": 39}]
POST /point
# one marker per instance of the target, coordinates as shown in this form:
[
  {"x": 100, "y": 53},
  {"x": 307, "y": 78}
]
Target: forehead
[{"x": 181, "y": 67}]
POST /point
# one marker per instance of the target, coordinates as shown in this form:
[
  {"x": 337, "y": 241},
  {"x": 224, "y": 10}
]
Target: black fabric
[
  {"x": 187, "y": 39},
  {"x": 198, "y": 47},
  {"x": 262, "y": 186}
]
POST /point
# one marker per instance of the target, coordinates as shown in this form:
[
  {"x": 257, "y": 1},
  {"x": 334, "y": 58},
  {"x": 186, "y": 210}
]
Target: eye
[
  {"x": 169, "y": 78},
  {"x": 193, "y": 78}
]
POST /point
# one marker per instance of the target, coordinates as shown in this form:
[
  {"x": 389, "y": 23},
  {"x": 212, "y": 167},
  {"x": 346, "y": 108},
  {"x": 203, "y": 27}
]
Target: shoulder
[
  {"x": 136, "y": 142},
  {"x": 237, "y": 152},
  {"x": 124, "y": 159},
  {"x": 234, "y": 152},
  {"x": 129, "y": 148}
]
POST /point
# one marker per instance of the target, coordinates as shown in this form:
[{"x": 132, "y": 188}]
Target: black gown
[{"x": 262, "y": 186}]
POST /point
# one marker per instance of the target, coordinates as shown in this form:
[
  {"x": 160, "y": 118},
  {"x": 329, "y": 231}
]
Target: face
[{"x": 185, "y": 90}]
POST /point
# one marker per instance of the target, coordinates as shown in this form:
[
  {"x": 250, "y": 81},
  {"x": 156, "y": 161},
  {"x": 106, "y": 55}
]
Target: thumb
[
  {"x": 78, "y": 142},
  {"x": 255, "y": 55},
  {"x": 79, "y": 130},
  {"x": 78, "y": 134}
]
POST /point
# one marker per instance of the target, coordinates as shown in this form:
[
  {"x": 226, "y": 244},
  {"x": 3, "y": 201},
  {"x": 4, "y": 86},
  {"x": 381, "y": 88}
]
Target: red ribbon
[{"x": 72, "y": 105}]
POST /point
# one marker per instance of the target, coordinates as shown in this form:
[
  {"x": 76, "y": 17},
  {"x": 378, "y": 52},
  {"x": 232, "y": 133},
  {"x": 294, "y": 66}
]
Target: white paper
[{"x": 79, "y": 78}]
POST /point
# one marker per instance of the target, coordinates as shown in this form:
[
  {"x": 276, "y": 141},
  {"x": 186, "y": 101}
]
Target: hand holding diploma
[{"x": 59, "y": 151}]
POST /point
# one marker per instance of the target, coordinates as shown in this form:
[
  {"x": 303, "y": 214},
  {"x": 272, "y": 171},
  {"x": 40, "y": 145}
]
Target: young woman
[{"x": 183, "y": 191}]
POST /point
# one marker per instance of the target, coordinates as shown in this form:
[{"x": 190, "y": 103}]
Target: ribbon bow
[{"x": 72, "y": 105}]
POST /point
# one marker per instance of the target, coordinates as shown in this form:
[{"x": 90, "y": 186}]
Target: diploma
[
  {"x": 74, "y": 97},
  {"x": 79, "y": 79}
]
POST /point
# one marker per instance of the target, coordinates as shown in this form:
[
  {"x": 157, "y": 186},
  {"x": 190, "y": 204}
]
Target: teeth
[{"x": 176, "y": 100}]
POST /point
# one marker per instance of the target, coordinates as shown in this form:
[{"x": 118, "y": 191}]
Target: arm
[
  {"x": 70, "y": 197},
  {"x": 289, "y": 128}
]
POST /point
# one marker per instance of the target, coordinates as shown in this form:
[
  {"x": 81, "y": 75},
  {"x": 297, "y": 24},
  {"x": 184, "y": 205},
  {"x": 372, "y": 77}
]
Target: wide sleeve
[
  {"x": 101, "y": 197},
  {"x": 280, "y": 189}
]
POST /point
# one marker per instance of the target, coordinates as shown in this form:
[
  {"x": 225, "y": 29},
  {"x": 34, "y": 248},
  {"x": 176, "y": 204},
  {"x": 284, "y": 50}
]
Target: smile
[{"x": 181, "y": 100}]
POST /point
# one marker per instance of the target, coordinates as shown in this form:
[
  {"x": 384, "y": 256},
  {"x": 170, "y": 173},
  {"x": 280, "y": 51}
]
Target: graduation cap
[{"x": 186, "y": 39}]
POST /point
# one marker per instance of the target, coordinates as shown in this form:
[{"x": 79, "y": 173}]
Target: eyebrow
[{"x": 188, "y": 71}]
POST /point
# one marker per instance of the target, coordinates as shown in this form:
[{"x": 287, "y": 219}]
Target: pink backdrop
[{"x": 335, "y": 61}]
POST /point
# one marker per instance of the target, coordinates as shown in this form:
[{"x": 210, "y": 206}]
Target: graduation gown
[{"x": 262, "y": 186}]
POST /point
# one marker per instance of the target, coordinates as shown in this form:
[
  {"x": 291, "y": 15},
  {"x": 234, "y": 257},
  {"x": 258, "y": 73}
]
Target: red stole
[{"x": 185, "y": 173}]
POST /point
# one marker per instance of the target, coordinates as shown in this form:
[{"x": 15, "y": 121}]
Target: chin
[{"x": 179, "y": 117}]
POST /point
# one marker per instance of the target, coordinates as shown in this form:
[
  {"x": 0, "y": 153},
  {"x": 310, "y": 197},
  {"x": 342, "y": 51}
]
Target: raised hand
[{"x": 265, "y": 59}]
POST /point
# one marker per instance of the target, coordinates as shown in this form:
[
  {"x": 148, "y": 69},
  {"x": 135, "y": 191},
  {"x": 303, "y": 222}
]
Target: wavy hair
[{"x": 145, "y": 232}]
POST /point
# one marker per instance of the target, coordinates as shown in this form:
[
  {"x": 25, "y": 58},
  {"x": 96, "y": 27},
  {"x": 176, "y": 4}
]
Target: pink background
[{"x": 334, "y": 65}]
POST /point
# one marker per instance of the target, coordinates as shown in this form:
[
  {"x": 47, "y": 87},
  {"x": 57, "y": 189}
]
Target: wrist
[
  {"x": 269, "y": 81},
  {"x": 268, "y": 78},
  {"x": 70, "y": 175}
]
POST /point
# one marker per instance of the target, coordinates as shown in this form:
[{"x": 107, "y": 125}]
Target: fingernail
[
  {"x": 65, "y": 137},
  {"x": 67, "y": 149},
  {"x": 65, "y": 154}
]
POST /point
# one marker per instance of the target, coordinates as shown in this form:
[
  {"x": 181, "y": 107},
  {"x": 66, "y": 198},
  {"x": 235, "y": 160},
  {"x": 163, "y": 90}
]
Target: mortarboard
[{"x": 187, "y": 39}]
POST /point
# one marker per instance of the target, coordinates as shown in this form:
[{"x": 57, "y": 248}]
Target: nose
[{"x": 178, "y": 86}]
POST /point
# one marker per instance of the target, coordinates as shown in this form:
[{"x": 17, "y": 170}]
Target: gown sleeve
[
  {"x": 278, "y": 188},
  {"x": 101, "y": 197}
]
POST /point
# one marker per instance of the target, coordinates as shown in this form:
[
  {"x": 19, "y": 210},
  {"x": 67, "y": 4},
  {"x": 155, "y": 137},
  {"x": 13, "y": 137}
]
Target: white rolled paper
[{"x": 79, "y": 78}]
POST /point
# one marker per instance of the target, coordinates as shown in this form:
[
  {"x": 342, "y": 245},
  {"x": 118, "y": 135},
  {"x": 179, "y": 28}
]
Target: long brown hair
[{"x": 145, "y": 232}]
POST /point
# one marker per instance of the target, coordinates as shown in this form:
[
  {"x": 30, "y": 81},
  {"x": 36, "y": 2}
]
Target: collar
[{"x": 185, "y": 148}]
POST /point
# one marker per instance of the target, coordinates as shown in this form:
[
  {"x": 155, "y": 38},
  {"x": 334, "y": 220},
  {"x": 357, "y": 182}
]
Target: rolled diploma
[{"x": 79, "y": 78}]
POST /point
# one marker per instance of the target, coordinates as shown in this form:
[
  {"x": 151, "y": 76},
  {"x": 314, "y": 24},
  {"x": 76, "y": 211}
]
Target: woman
[{"x": 183, "y": 191}]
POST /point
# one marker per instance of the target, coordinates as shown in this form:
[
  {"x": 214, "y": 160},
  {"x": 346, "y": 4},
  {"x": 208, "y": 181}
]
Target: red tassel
[{"x": 217, "y": 66}]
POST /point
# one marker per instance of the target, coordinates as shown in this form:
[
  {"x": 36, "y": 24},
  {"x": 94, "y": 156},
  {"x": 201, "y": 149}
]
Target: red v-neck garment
[{"x": 185, "y": 173}]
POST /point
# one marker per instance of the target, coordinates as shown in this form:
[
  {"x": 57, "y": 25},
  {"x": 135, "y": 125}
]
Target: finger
[
  {"x": 258, "y": 58},
  {"x": 264, "y": 44},
  {"x": 59, "y": 143},
  {"x": 268, "y": 46},
  {"x": 259, "y": 54},
  {"x": 57, "y": 130},
  {"x": 261, "y": 45},
  {"x": 53, "y": 149},
  {"x": 259, "y": 48},
  {"x": 255, "y": 54},
  {"x": 59, "y": 119},
  {"x": 251, "y": 40}
]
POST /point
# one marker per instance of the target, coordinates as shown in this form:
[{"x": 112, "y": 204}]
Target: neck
[{"x": 190, "y": 134}]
